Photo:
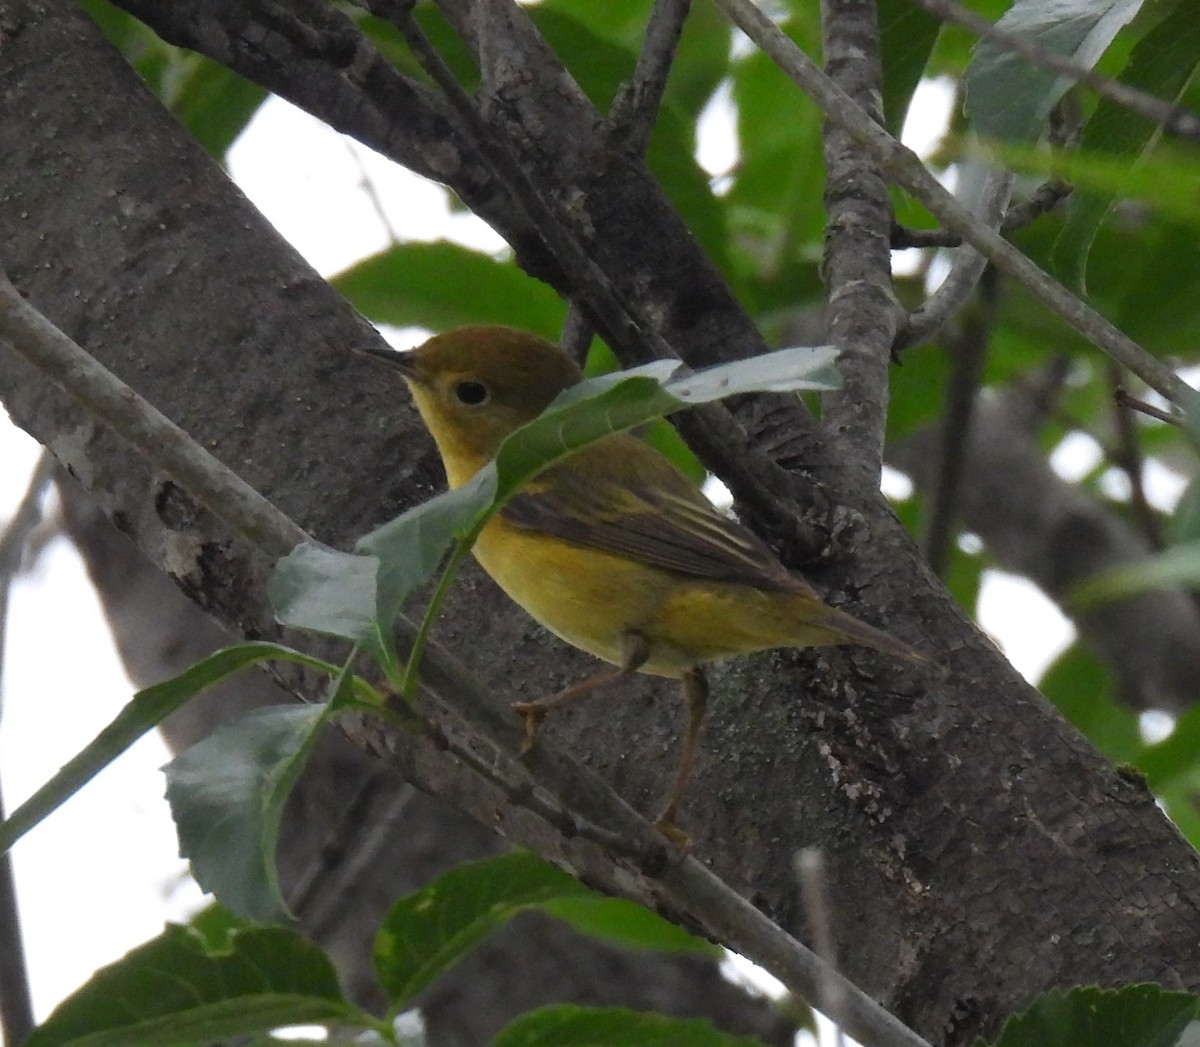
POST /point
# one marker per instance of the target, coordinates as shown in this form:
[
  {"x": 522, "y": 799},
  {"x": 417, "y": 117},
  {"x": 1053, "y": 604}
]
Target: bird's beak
[{"x": 405, "y": 363}]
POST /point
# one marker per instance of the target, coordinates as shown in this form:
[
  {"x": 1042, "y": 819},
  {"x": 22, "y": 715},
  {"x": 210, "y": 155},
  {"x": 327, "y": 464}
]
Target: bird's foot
[
  {"x": 534, "y": 714},
  {"x": 680, "y": 840}
]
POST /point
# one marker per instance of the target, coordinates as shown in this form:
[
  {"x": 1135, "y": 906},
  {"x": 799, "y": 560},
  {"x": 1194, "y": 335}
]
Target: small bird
[{"x": 614, "y": 549}]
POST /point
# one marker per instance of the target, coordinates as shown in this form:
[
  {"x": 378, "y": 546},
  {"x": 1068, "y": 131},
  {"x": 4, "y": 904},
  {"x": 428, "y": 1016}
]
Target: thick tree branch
[{"x": 864, "y": 315}]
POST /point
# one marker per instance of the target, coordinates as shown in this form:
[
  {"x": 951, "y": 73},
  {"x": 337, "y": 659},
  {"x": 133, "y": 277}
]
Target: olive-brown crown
[{"x": 475, "y": 385}]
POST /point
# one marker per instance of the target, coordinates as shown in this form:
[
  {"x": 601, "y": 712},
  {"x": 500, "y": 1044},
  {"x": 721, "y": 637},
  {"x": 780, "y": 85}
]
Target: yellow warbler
[{"x": 613, "y": 549}]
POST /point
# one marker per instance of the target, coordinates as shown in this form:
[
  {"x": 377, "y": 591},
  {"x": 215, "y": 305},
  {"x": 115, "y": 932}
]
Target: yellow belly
[{"x": 591, "y": 599}]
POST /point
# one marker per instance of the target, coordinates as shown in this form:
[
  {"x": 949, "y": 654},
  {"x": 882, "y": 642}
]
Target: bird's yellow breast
[
  {"x": 588, "y": 597},
  {"x": 592, "y": 598}
]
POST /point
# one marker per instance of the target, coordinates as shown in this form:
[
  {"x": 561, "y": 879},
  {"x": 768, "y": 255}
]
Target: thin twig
[
  {"x": 968, "y": 266},
  {"x": 1123, "y": 397},
  {"x": 814, "y": 893},
  {"x": 16, "y": 1002},
  {"x": 330, "y": 883},
  {"x": 969, "y": 352},
  {"x": 904, "y": 167},
  {"x": 732, "y": 920},
  {"x": 572, "y": 799},
  {"x": 1041, "y": 201},
  {"x": 1128, "y": 456},
  {"x": 633, "y": 114},
  {"x": 584, "y": 275},
  {"x": 635, "y": 109},
  {"x": 1025, "y": 212},
  {"x": 1174, "y": 118},
  {"x": 367, "y": 184}
]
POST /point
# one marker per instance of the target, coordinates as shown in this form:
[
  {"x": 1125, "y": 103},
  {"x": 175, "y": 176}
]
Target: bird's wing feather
[{"x": 661, "y": 519}]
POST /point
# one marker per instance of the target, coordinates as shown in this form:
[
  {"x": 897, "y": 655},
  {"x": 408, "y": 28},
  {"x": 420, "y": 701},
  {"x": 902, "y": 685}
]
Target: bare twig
[
  {"x": 16, "y": 1004},
  {"x": 1042, "y": 200},
  {"x": 367, "y": 184},
  {"x": 633, "y": 115},
  {"x": 969, "y": 351},
  {"x": 1175, "y": 119},
  {"x": 585, "y": 276},
  {"x": 635, "y": 108},
  {"x": 814, "y": 893},
  {"x": 958, "y": 287},
  {"x": 905, "y": 168},
  {"x": 1125, "y": 399},
  {"x": 1128, "y": 457}
]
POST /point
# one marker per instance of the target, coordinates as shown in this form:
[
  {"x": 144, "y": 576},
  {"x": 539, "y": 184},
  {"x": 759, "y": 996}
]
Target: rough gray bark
[
  {"x": 356, "y": 836},
  {"x": 863, "y": 313},
  {"x": 965, "y": 824}
]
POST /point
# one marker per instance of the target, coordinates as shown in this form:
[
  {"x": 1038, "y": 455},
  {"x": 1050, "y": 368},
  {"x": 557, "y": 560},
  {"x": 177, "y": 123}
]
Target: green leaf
[
  {"x": 1007, "y": 98},
  {"x": 907, "y": 35},
  {"x": 215, "y": 104},
  {"x": 776, "y": 202},
  {"x": 626, "y": 923},
  {"x": 1177, "y": 756},
  {"x": 1162, "y": 64},
  {"x": 147, "y": 709},
  {"x": 176, "y": 990},
  {"x": 1081, "y": 689},
  {"x": 426, "y": 933},
  {"x": 424, "y": 285},
  {"x": 1185, "y": 520},
  {"x": 567, "y": 1025},
  {"x": 227, "y": 794},
  {"x": 1133, "y": 1016},
  {"x": 325, "y": 590},
  {"x": 410, "y": 547}
]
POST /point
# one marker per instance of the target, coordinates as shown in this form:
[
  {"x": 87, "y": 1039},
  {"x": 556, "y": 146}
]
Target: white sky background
[{"x": 102, "y": 875}]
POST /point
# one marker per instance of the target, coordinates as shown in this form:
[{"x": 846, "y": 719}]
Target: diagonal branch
[
  {"x": 965, "y": 272},
  {"x": 635, "y": 108},
  {"x": 905, "y": 168}
]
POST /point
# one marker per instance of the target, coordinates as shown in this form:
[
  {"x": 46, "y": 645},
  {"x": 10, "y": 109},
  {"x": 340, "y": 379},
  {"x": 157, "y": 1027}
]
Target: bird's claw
[
  {"x": 533, "y": 714},
  {"x": 680, "y": 840}
]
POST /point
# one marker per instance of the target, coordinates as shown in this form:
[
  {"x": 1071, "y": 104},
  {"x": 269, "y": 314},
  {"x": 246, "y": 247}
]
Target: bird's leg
[
  {"x": 635, "y": 649},
  {"x": 695, "y": 696}
]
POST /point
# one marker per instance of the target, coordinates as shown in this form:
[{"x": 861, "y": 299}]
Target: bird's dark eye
[{"x": 471, "y": 393}]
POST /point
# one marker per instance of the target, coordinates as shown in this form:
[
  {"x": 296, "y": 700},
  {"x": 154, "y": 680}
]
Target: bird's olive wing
[{"x": 677, "y": 530}]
